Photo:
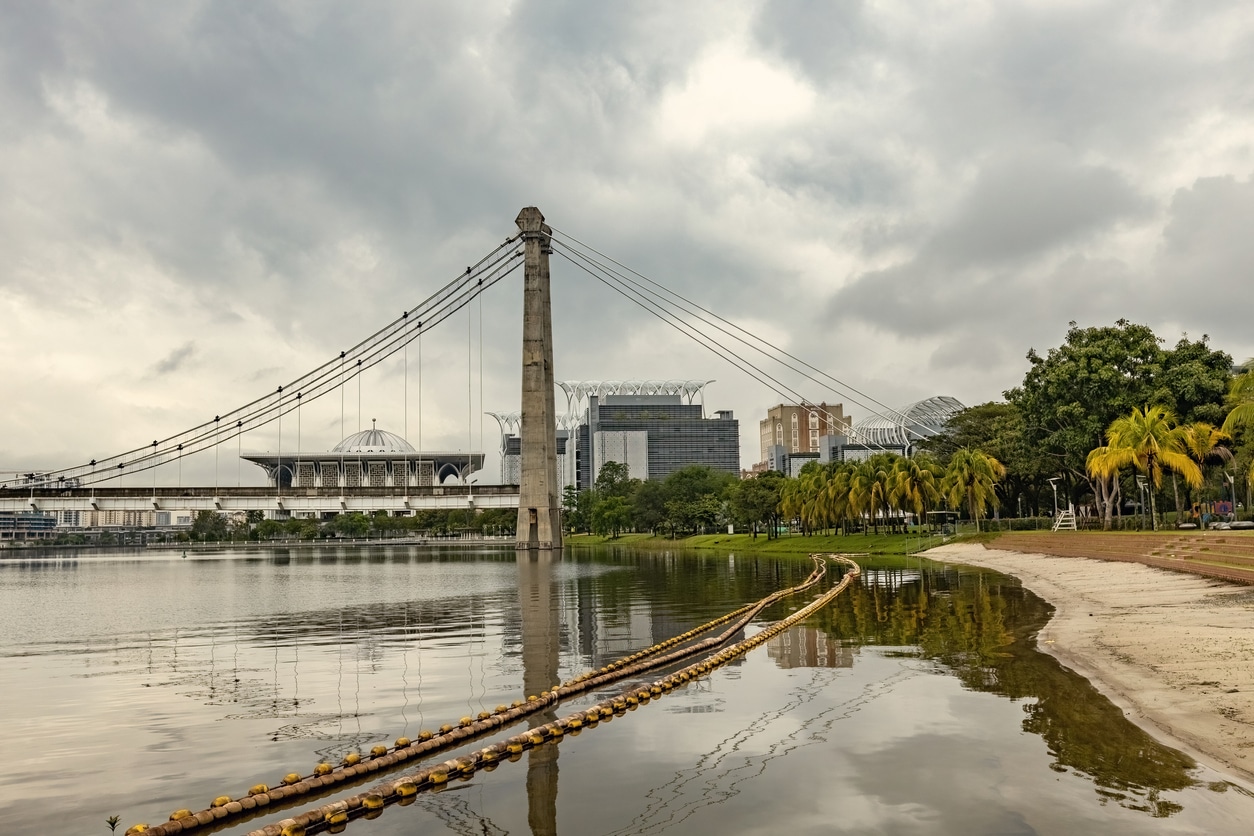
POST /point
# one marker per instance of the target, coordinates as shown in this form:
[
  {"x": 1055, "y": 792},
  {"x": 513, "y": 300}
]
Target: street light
[
  {"x": 1232, "y": 483},
  {"x": 1140, "y": 485},
  {"x": 1053, "y": 483}
]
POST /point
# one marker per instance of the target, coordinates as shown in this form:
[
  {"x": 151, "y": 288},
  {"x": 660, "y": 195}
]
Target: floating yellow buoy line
[
  {"x": 371, "y": 803},
  {"x": 356, "y": 765}
]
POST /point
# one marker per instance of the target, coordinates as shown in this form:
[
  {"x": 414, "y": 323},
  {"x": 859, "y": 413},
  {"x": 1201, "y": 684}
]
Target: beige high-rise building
[{"x": 798, "y": 428}]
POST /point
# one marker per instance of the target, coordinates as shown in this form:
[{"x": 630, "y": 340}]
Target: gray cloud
[
  {"x": 175, "y": 360},
  {"x": 271, "y": 182}
]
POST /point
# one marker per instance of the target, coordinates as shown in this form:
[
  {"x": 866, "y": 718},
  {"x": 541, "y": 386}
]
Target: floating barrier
[
  {"x": 402, "y": 789},
  {"x": 356, "y": 765}
]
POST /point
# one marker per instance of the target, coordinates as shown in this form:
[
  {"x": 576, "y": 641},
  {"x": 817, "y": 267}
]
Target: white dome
[{"x": 374, "y": 440}]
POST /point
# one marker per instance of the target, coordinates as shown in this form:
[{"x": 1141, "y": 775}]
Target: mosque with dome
[{"x": 372, "y": 458}]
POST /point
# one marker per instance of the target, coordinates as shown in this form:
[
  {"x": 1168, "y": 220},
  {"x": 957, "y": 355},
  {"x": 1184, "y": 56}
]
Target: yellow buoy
[
  {"x": 258, "y": 789},
  {"x": 180, "y": 814},
  {"x": 372, "y": 801},
  {"x": 465, "y": 721},
  {"x": 501, "y": 709},
  {"x": 220, "y": 801},
  {"x": 378, "y": 751},
  {"x": 352, "y": 759},
  {"x": 292, "y": 829},
  {"x": 445, "y": 729},
  {"x": 136, "y": 828},
  {"x": 425, "y": 735},
  {"x": 483, "y": 715},
  {"x": 402, "y": 742},
  {"x": 405, "y": 788},
  {"x": 335, "y": 817},
  {"x": 323, "y": 768},
  {"x": 438, "y": 776},
  {"x": 291, "y": 778},
  {"x": 514, "y": 747}
]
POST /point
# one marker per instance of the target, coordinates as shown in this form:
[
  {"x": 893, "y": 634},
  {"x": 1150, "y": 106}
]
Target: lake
[{"x": 139, "y": 683}]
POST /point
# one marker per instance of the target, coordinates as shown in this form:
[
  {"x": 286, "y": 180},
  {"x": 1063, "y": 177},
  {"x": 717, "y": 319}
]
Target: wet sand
[{"x": 1174, "y": 651}]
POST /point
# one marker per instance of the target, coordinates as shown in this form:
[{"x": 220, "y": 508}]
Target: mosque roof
[{"x": 374, "y": 440}]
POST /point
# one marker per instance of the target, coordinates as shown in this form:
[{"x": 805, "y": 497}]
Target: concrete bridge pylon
[{"x": 539, "y": 507}]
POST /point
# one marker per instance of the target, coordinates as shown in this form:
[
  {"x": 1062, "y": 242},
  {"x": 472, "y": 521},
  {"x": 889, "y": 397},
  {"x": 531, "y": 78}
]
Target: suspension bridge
[{"x": 375, "y": 471}]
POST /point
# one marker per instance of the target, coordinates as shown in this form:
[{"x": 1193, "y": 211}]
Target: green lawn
[{"x": 788, "y": 544}]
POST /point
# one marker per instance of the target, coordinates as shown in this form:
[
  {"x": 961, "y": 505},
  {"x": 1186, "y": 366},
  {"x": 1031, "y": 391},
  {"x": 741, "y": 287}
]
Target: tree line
[{"x": 1108, "y": 405}]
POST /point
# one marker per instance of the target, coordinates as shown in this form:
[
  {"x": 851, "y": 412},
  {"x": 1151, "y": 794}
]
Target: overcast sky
[{"x": 201, "y": 201}]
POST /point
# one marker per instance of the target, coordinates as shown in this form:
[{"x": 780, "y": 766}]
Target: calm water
[{"x": 137, "y": 684}]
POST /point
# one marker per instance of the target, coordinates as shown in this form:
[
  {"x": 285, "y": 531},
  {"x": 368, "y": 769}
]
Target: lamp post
[
  {"x": 1053, "y": 483},
  {"x": 1232, "y": 483},
  {"x": 1140, "y": 485}
]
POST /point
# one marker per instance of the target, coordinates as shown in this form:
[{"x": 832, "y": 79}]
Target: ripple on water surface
[{"x": 917, "y": 703}]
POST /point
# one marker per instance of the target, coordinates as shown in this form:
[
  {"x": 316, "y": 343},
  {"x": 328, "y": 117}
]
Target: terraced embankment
[{"x": 1227, "y": 555}]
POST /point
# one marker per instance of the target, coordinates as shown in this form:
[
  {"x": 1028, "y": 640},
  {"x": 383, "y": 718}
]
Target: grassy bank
[{"x": 792, "y": 544}]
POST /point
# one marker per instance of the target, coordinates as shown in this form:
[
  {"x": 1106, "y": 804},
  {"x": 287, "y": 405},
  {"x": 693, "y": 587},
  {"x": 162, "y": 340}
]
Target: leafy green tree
[
  {"x": 353, "y": 524},
  {"x": 754, "y": 502},
  {"x": 1148, "y": 440},
  {"x": 614, "y": 479},
  {"x": 209, "y": 525},
  {"x": 611, "y": 516},
  {"x": 648, "y": 506},
  {"x": 1069, "y": 397},
  {"x": 571, "y": 517},
  {"x": 1192, "y": 381},
  {"x": 971, "y": 480}
]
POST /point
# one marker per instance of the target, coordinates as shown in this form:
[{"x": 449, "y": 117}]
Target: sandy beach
[{"x": 1174, "y": 651}]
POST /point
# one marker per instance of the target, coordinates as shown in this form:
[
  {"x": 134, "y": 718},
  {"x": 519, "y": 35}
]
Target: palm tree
[
  {"x": 1150, "y": 441},
  {"x": 836, "y": 494},
  {"x": 792, "y": 499},
  {"x": 870, "y": 485},
  {"x": 972, "y": 478},
  {"x": 1203, "y": 443},
  {"x": 916, "y": 484},
  {"x": 1240, "y": 401}
]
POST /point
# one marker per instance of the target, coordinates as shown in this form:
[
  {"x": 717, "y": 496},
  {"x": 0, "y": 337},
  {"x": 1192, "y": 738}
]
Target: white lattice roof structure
[
  {"x": 578, "y": 391},
  {"x": 906, "y": 426}
]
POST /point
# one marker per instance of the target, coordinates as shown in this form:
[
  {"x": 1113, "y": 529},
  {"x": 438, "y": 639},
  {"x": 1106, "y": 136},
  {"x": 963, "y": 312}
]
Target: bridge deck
[{"x": 305, "y": 500}]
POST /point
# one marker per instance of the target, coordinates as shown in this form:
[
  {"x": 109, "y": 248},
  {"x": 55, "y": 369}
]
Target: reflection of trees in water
[{"x": 983, "y": 628}]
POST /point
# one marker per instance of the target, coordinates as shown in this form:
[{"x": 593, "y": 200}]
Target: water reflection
[
  {"x": 537, "y": 600},
  {"x": 210, "y": 674},
  {"x": 983, "y": 627}
]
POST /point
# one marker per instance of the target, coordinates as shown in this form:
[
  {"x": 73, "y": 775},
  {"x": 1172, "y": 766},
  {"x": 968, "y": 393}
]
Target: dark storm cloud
[
  {"x": 982, "y": 261},
  {"x": 956, "y": 182}
]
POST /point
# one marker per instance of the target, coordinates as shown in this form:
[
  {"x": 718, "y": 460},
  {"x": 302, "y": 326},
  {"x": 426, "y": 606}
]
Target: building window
[
  {"x": 794, "y": 419},
  {"x": 814, "y": 420}
]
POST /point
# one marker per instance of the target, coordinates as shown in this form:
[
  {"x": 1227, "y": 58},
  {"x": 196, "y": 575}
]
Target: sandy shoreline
[{"x": 1174, "y": 651}]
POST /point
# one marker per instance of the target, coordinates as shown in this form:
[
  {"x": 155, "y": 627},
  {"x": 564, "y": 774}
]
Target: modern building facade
[
  {"x": 797, "y": 428},
  {"x": 897, "y": 431},
  {"x": 654, "y": 435}
]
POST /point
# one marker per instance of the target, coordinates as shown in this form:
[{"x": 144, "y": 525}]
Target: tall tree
[
  {"x": 1070, "y": 396},
  {"x": 971, "y": 479},
  {"x": 916, "y": 483},
  {"x": 870, "y": 488},
  {"x": 1148, "y": 440}
]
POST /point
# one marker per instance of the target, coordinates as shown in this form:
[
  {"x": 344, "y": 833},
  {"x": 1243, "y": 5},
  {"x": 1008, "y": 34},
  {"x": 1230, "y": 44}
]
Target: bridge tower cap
[{"x": 530, "y": 220}]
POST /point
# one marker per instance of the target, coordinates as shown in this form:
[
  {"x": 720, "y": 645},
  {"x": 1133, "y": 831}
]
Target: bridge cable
[
  {"x": 369, "y": 352},
  {"x": 662, "y": 301},
  {"x": 572, "y": 241},
  {"x": 668, "y": 315}
]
